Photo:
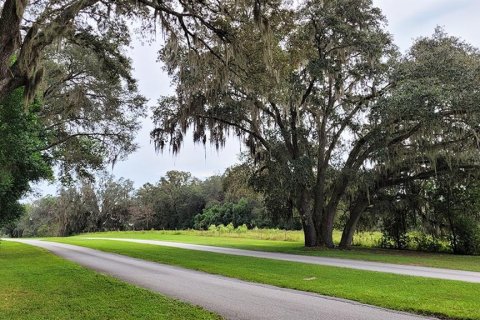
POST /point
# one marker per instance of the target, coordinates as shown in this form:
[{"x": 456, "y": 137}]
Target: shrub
[
  {"x": 423, "y": 242},
  {"x": 465, "y": 238},
  {"x": 242, "y": 229},
  {"x": 222, "y": 229},
  {"x": 237, "y": 214}
]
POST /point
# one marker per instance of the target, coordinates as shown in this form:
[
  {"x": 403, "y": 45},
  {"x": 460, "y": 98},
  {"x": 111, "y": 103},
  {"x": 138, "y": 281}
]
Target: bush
[
  {"x": 237, "y": 214},
  {"x": 222, "y": 229},
  {"x": 394, "y": 234},
  {"x": 242, "y": 229},
  {"x": 423, "y": 242},
  {"x": 465, "y": 238}
]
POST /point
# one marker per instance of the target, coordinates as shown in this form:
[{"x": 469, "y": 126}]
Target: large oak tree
[
  {"x": 69, "y": 56},
  {"x": 328, "y": 108}
]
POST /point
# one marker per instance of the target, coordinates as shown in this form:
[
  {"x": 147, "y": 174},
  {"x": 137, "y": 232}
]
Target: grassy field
[
  {"x": 272, "y": 240},
  {"x": 364, "y": 239},
  {"x": 38, "y": 285},
  {"x": 447, "y": 299}
]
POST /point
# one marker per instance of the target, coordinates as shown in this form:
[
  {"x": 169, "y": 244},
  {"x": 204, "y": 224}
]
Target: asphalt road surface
[
  {"x": 231, "y": 298},
  {"x": 438, "y": 273}
]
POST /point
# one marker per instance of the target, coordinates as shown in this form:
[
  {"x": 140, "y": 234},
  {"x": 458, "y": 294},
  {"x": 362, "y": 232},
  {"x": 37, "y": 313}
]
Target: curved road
[
  {"x": 438, "y": 273},
  {"x": 231, "y": 298}
]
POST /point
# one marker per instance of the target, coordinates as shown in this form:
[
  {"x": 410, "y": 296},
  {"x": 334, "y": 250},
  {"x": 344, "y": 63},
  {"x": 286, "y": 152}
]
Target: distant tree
[
  {"x": 90, "y": 206},
  {"x": 237, "y": 184},
  {"x": 142, "y": 214},
  {"x": 238, "y": 214},
  {"x": 38, "y": 220},
  {"x": 212, "y": 189},
  {"x": 69, "y": 213},
  {"x": 176, "y": 199},
  {"x": 115, "y": 200}
]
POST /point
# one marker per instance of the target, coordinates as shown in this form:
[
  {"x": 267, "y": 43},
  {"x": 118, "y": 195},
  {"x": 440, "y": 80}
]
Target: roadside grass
[
  {"x": 446, "y": 299},
  {"x": 38, "y": 285},
  {"x": 252, "y": 240}
]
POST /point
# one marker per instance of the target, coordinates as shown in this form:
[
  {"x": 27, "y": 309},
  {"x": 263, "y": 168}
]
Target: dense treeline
[
  {"x": 177, "y": 201},
  {"x": 441, "y": 214}
]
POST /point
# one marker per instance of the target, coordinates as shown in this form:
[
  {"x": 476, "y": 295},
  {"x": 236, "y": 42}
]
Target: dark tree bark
[
  {"x": 309, "y": 232},
  {"x": 10, "y": 39},
  {"x": 351, "y": 226},
  {"x": 326, "y": 229},
  {"x": 308, "y": 224}
]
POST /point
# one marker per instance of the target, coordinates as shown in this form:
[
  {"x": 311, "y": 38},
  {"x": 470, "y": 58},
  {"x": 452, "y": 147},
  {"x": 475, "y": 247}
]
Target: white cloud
[{"x": 410, "y": 19}]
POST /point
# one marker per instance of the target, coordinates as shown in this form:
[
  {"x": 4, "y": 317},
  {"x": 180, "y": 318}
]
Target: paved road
[
  {"x": 233, "y": 299},
  {"x": 438, "y": 273}
]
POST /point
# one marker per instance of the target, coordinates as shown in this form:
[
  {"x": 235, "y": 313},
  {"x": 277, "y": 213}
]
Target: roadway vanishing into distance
[
  {"x": 437, "y": 273},
  {"x": 231, "y": 298}
]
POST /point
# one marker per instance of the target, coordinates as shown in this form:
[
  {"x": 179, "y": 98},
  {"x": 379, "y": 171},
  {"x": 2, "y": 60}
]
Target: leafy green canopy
[
  {"x": 20, "y": 163},
  {"x": 91, "y": 108},
  {"x": 328, "y": 108},
  {"x": 71, "y": 53}
]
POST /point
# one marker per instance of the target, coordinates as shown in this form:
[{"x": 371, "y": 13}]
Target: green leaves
[{"x": 20, "y": 162}]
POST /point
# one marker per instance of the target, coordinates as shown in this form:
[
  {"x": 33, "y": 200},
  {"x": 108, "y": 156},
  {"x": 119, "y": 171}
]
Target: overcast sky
[{"x": 407, "y": 20}]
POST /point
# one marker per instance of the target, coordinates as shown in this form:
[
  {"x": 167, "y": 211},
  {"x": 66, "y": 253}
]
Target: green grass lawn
[
  {"x": 448, "y": 299},
  {"x": 35, "y": 284},
  {"x": 257, "y": 240}
]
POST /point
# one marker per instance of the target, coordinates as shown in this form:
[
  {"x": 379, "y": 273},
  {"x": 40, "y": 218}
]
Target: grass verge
[
  {"x": 436, "y": 260},
  {"x": 447, "y": 299},
  {"x": 38, "y": 285}
]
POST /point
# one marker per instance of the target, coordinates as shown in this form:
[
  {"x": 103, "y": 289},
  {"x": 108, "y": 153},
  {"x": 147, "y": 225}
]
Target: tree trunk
[
  {"x": 325, "y": 236},
  {"x": 310, "y": 233},
  {"x": 308, "y": 225},
  {"x": 351, "y": 225},
  {"x": 326, "y": 228},
  {"x": 10, "y": 37},
  {"x": 322, "y": 165}
]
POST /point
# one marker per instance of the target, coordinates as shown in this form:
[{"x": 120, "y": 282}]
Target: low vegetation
[
  {"x": 364, "y": 239},
  {"x": 448, "y": 299},
  {"x": 38, "y": 285}
]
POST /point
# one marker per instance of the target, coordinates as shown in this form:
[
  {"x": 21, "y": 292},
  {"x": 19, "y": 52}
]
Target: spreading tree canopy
[
  {"x": 69, "y": 56},
  {"x": 329, "y": 109}
]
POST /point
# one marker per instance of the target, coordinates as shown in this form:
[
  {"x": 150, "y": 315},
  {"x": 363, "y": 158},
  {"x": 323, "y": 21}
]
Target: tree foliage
[
  {"x": 329, "y": 109},
  {"x": 29, "y": 29},
  {"x": 238, "y": 214},
  {"x": 69, "y": 56},
  {"x": 91, "y": 107},
  {"x": 20, "y": 160}
]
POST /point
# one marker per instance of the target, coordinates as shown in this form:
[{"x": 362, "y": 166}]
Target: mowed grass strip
[
  {"x": 242, "y": 241},
  {"x": 35, "y": 284},
  {"x": 448, "y": 299}
]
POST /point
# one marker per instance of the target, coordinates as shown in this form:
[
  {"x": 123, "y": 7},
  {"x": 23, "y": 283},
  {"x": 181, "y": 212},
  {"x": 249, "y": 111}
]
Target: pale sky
[{"x": 407, "y": 20}]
